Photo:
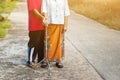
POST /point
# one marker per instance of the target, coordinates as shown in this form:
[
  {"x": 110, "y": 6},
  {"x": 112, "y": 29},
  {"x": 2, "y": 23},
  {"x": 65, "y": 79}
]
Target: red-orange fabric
[{"x": 34, "y": 22}]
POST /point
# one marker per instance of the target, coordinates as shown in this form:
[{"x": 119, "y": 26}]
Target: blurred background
[{"x": 106, "y": 12}]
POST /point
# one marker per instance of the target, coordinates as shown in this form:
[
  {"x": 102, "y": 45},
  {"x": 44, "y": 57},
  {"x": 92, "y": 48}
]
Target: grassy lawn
[
  {"x": 106, "y": 12},
  {"x": 5, "y": 8}
]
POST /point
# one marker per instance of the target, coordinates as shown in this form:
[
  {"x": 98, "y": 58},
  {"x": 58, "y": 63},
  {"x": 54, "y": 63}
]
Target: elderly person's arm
[
  {"x": 44, "y": 12},
  {"x": 67, "y": 13},
  {"x": 65, "y": 23}
]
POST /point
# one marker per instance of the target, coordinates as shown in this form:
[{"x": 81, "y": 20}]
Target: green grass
[{"x": 106, "y": 12}]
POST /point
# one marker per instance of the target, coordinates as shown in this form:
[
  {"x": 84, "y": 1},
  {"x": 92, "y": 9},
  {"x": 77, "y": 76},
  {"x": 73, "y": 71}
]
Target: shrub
[
  {"x": 7, "y": 8},
  {"x": 3, "y": 32}
]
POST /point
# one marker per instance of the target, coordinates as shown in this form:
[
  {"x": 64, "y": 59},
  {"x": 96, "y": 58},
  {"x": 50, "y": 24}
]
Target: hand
[
  {"x": 45, "y": 21},
  {"x": 65, "y": 29}
]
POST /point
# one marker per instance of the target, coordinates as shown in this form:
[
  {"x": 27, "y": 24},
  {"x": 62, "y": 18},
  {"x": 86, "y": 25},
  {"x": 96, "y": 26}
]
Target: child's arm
[{"x": 37, "y": 13}]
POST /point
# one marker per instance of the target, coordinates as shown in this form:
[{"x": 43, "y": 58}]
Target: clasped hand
[{"x": 45, "y": 21}]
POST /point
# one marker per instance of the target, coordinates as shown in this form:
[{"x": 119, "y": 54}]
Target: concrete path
[
  {"x": 89, "y": 47},
  {"x": 98, "y": 44}
]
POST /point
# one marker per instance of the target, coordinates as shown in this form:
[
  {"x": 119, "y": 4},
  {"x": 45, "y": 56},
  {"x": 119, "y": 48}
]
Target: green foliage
[
  {"x": 7, "y": 7},
  {"x": 3, "y": 32},
  {"x": 5, "y": 24}
]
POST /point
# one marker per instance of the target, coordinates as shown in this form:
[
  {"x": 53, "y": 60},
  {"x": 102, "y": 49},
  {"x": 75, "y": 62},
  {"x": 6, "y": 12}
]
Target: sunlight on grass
[{"x": 106, "y": 12}]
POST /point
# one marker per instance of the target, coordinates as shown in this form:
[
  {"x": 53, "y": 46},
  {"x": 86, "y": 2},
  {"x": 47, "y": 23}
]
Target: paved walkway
[
  {"x": 97, "y": 43},
  {"x": 13, "y": 55}
]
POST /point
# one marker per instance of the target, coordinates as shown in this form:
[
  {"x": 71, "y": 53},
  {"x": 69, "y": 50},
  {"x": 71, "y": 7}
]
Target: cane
[{"x": 46, "y": 54}]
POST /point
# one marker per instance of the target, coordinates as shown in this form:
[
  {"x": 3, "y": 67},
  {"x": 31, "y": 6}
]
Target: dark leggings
[{"x": 36, "y": 41}]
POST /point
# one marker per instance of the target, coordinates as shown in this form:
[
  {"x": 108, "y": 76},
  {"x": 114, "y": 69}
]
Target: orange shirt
[{"x": 35, "y": 23}]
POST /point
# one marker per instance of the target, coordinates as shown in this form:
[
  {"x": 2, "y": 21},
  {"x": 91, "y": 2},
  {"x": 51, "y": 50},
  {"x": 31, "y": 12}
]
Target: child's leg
[
  {"x": 34, "y": 54},
  {"x": 41, "y": 46},
  {"x": 30, "y": 54}
]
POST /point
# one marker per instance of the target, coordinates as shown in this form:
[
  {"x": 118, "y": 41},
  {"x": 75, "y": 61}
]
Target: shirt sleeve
[
  {"x": 31, "y": 5},
  {"x": 44, "y": 6},
  {"x": 66, "y": 11}
]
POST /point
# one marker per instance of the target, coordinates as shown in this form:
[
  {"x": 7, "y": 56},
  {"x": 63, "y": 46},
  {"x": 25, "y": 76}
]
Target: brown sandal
[
  {"x": 59, "y": 65},
  {"x": 33, "y": 65},
  {"x": 44, "y": 65}
]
